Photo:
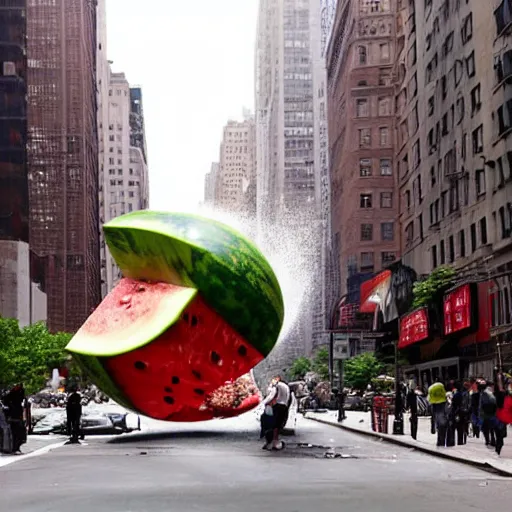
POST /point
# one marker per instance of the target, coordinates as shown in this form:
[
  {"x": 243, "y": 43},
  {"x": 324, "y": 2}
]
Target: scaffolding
[{"x": 62, "y": 153}]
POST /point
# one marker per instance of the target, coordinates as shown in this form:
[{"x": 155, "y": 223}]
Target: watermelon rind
[
  {"x": 231, "y": 274},
  {"x": 140, "y": 332}
]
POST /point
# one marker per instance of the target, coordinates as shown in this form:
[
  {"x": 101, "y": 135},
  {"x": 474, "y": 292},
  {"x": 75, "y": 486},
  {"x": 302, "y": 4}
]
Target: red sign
[
  {"x": 413, "y": 328},
  {"x": 457, "y": 310}
]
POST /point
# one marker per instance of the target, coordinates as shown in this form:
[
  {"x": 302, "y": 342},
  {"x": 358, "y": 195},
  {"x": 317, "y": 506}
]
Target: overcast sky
[{"x": 194, "y": 61}]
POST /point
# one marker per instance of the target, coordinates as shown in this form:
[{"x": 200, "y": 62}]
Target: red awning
[{"x": 373, "y": 290}]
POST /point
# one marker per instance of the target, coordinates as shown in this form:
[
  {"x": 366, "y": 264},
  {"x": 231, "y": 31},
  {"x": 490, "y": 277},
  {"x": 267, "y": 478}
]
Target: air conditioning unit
[{"x": 9, "y": 69}]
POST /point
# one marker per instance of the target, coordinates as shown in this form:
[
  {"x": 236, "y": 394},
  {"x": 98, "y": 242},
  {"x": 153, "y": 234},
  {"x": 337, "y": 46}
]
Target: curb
[{"x": 485, "y": 466}]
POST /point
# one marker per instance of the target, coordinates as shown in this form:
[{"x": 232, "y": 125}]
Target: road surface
[{"x": 220, "y": 467}]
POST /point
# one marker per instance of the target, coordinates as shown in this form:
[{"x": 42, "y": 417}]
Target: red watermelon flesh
[{"x": 171, "y": 377}]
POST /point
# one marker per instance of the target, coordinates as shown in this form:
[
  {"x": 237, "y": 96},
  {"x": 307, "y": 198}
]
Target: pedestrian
[
  {"x": 503, "y": 394},
  {"x": 14, "y": 401},
  {"x": 474, "y": 407},
  {"x": 458, "y": 412},
  {"x": 411, "y": 401},
  {"x": 437, "y": 400},
  {"x": 74, "y": 415},
  {"x": 488, "y": 410},
  {"x": 279, "y": 399}
]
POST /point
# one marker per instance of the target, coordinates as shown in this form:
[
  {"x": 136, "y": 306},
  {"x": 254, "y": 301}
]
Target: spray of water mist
[{"x": 289, "y": 253}]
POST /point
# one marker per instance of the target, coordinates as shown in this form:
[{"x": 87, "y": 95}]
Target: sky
[{"x": 195, "y": 63}]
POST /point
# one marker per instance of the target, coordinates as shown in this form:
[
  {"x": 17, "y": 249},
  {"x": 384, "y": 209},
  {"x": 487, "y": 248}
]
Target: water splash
[{"x": 289, "y": 253}]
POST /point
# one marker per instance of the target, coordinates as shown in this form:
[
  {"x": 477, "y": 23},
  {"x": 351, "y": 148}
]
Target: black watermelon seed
[
  {"x": 169, "y": 399},
  {"x": 242, "y": 350},
  {"x": 175, "y": 380},
  {"x": 199, "y": 391},
  {"x": 140, "y": 365},
  {"x": 185, "y": 317},
  {"x": 215, "y": 357},
  {"x": 193, "y": 322},
  {"x": 196, "y": 374},
  {"x": 168, "y": 390}
]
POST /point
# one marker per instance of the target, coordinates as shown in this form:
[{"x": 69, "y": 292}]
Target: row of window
[
  {"x": 445, "y": 252},
  {"x": 387, "y": 232},
  {"x": 367, "y": 260},
  {"x": 362, "y": 54},
  {"x": 112, "y": 172},
  {"x": 113, "y": 183},
  {"x": 366, "y": 200},
  {"x": 366, "y": 167},
  {"x": 363, "y": 107},
  {"x": 365, "y": 137}
]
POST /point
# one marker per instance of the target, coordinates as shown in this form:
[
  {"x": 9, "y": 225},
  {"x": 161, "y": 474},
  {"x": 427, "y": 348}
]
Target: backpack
[{"x": 465, "y": 404}]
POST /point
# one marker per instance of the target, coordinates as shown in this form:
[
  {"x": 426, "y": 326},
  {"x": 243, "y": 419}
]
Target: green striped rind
[
  {"x": 93, "y": 366},
  {"x": 231, "y": 274}
]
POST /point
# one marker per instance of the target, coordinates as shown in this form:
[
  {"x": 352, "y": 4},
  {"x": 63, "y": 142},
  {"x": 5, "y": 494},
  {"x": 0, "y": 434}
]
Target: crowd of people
[
  {"x": 15, "y": 420},
  {"x": 472, "y": 407}
]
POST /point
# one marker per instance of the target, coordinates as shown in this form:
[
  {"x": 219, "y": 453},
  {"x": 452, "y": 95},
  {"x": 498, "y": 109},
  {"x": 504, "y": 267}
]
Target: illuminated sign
[
  {"x": 413, "y": 328},
  {"x": 457, "y": 308}
]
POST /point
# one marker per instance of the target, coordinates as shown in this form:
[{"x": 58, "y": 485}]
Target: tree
[
  {"x": 299, "y": 368},
  {"x": 360, "y": 370},
  {"x": 430, "y": 290},
  {"x": 321, "y": 363},
  {"x": 28, "y": 355}
]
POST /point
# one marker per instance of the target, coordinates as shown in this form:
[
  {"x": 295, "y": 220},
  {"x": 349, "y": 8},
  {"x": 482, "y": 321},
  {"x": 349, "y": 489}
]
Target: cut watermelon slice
[{"x": 199, "y": 306}]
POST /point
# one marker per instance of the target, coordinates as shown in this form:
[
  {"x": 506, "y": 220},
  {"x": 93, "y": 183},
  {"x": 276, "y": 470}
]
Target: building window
[
  {"x": 385, "y": 167},
  {"x": 483, "y": 230},
  {"x": 451, "y": 249},
  {"x": 470, "y": 65},
  {"x": 120, "y": 182},
  {"x": 416, "y": 156},
  {"x": 480, "y": 182},
  {"x": 442, "y": 255},
  {"x": 365, "y": 138},
  {"x": 467, "y": 28},
  {"x": 365, "y": 167},
  {"x": 460, "y": 109},
  {"x": 472, "y": 230},
  {"x": 112, "y": 172},
  {"x": 386, "y": 199},
  {"x": 384, "y": 52},
  {"x": 365, "y": 200},
  {"x": 476, "y": 102},
  {"x": 444, "y": 87},
  {"x": 384, "y": 106},
  {"x": 384, "y": 136},
  {"x": 111, "y": 161},
  {"x": 387, "y": 258},
  {"x": 131, "y": 194},
  {"x": 408, "y": 199},
  {"x": 462, "y": 243},
  {"x": 362, "y": 108},
  {"x": 409, "y": 234},
  {"x": 478, "y": 140},
  {"x": 366, "y": 232},
  {"x": 387, "y": 230},
  {"x": 433, "y": 256},
  {"x": 367, "y": 264},
  {"x": 431, "y": 105},
  {"x": 362, "y": 54}
]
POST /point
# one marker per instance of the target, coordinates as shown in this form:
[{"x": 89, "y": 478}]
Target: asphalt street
[{"x": 220, "y": 467}]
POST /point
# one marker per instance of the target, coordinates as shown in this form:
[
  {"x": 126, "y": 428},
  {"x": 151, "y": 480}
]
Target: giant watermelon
[{"x": 198, "y": 307}]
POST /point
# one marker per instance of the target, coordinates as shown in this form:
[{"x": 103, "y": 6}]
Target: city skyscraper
[
  {"x": 19, "y": 297},
  {"x": 364, "y": 209},
  {"x": 237, "y": 162},
  {"x": 62, "y": 155},
  {"x": 209, "y": 185},
  {"x": 288, "y": 78}
]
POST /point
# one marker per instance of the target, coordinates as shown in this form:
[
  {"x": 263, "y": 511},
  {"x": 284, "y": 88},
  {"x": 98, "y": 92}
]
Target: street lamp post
[{"x": 398, "y": 423}]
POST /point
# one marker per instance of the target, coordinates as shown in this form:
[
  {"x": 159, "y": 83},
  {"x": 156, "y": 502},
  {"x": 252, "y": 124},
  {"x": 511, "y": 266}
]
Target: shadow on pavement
[{"x": 184, "y": 434}]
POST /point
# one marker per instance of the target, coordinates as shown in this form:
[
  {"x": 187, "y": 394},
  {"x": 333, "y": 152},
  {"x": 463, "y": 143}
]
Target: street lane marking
[{"x": 5, "y": 460}]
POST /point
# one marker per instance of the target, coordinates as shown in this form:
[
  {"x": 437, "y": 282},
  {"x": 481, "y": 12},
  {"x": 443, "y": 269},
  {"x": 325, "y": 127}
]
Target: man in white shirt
[{"x": 279, "y": 399}]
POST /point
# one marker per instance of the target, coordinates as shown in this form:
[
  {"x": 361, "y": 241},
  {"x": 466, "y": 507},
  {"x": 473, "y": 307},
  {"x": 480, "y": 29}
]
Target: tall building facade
[
  {"x": 14, "y": 219},
  {"x": 288, "y": 82},
  {"x": 210, "y": 180},
  {"x": 237, "y": 165},
  {"x": 125, "y": 183},
  {"x": 364, "y": 202},
  {"x": 62, "y": 156}
]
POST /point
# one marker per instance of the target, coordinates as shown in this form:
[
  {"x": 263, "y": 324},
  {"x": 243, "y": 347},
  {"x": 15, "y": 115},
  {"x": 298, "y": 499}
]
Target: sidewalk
[
  {"x": 474, "y": 452},
  {"x": 35, "y": 445}
]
